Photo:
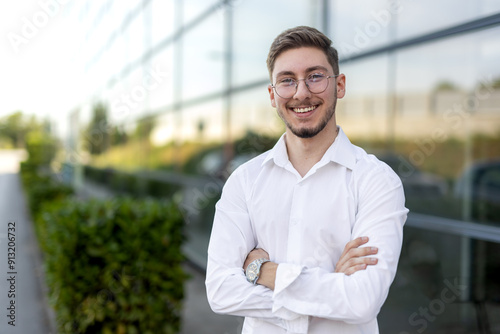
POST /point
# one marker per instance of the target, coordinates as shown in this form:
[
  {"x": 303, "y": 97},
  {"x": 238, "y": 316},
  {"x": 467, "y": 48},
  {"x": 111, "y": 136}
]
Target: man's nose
[{"x": 302, "y": 90}]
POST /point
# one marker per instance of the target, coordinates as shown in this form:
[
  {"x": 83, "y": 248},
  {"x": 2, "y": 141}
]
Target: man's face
[{"x": 306, "y": 114}]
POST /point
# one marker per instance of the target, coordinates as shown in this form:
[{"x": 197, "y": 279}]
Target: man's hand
[
  {"x": 267, "y": 270},
  {"x": 354, "y": 257},
  {"x": 257, "y": 253}
]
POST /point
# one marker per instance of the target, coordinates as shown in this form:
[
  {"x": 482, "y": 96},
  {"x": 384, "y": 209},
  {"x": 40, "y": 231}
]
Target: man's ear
[
  {"x": 271, "y": 95},
  {"x": 341, "y": 86}
]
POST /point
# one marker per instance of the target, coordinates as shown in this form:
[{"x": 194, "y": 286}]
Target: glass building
[{"x": 423, "y": 94}]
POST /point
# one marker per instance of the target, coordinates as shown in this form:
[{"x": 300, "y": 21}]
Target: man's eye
[
  {"x": 287, "y": 82},
  {"x": 316, "y": 77}
]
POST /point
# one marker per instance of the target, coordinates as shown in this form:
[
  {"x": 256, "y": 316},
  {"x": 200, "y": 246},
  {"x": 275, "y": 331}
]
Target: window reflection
[
  {"x": 251, "y": 41},
  {"x": 355, "y": 31},
  {"x": 203, "y": 59},
  {"x": 447, "y": 122},
  {"x": 416, "y": 19}
]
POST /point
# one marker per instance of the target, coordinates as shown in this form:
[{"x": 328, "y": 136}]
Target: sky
[{"x": 35, "y": 71}]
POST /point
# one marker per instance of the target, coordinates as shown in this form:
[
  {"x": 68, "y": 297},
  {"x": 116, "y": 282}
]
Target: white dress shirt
[{"x": 304, "y": 224}]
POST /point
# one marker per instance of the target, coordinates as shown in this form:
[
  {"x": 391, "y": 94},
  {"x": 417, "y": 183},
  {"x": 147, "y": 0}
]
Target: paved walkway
[{"x": 31, "y": 312}]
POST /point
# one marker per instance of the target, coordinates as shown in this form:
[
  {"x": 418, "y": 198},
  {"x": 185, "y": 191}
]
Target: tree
[
  {"x": 14, "y": 129},
  {"x": 144, "y": 127},
  {"x": 97, "y": 132}
]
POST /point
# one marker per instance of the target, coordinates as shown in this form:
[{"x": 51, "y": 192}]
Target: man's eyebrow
[
  {"x": 315, "y": 68},
  {"x": 282, "y": 73},
  {"x": 308, "y": 70}
]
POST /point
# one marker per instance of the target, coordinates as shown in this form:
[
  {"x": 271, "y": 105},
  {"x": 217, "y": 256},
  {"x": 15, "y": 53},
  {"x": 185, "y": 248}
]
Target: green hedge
[
  {"x": 40, "y": 190},
  {"x": 111, "y": 266},
  {"x": 132, "y": 184},
  {"x": 115, "y": 266}
]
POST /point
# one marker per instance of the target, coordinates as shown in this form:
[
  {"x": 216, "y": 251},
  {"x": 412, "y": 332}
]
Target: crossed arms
[{"x": 353, "y": 258}]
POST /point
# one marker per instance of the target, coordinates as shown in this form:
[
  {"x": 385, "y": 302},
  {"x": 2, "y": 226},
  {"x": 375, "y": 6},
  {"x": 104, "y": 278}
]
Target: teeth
[{"x": 302, "y": 110}]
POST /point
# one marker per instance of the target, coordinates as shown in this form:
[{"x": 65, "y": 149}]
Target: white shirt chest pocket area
[{"x": 324, "y": 226}]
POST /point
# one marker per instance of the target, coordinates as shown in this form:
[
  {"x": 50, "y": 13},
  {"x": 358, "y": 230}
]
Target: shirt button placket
[{"x": 294, "y": 229}]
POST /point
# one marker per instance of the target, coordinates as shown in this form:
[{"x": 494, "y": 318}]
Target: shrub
[{"x": 115, "y": 266}]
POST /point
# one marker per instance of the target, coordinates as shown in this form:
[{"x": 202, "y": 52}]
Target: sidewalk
[
  {"x": 32, "y": 315},
  {"x": 197, "y": 317}
]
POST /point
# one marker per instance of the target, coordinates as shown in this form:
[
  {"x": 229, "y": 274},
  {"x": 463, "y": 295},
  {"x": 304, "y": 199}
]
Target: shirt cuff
[{"x": 286, "y": 274}]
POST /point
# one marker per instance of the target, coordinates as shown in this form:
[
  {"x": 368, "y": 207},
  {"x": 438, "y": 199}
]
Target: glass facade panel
[
  {"x": 160, "y": 79},
  {"x": 203, "y": 122},
  {"x": 193, "y": 9},
  {"x": 251, "y": 45},
  {"x": 415, "y": 18},
  {"x": 252, "y": 111},
  {"x": 366, "y": 99},
  {"x": 136, "y": 37},
  {"x": 162, "y": 21},
  {"x": 449, "y": 120},
  {"x": 354, "y": 31},
  {"x": 436, "y": 282},
  {"x": 203, "y": 59}
]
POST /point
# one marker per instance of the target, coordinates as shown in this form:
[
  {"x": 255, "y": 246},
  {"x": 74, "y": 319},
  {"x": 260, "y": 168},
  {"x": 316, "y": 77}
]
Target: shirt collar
[
  {"x": 278, "y": 153},
  {"x": 341, "y": 151}
]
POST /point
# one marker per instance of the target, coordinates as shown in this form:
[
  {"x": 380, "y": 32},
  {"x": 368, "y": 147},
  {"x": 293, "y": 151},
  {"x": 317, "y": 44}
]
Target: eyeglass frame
[{"x": 297, "y": 86}]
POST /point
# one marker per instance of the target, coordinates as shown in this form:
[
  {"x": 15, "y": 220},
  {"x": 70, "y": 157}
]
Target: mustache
[{"x": 303, "y": 104}]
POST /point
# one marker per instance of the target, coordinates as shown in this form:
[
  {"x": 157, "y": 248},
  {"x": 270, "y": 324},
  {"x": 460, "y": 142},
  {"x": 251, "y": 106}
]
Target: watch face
[{"x": 252, "y": 271}]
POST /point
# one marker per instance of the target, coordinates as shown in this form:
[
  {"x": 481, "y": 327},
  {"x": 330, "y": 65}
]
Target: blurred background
[{"x": 165, "y": 99}]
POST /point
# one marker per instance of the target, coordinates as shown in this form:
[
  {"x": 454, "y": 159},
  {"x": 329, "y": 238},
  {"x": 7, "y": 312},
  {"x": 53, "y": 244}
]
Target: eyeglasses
[{"x": 316, "y": 83}]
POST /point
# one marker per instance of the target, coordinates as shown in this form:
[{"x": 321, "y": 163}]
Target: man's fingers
[
  {"x": 353, "y": 244},
  {"x": 355, "y": 258},
  {"x": 364, "y": 260},
  {"x": 362, "y": 251},
  {"x": 355, "y": 253},
  {"x": 352, "y": 270},
  {"x": 353, "y": 265},
  {"x": 356, "y": 242}
]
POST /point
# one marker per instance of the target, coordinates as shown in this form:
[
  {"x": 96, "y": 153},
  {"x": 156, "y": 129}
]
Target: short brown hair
[{"x": 302, "y": 36}]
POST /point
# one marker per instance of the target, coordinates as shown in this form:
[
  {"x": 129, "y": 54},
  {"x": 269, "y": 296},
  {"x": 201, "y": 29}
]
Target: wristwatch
[{"x": 253, "y": 270}]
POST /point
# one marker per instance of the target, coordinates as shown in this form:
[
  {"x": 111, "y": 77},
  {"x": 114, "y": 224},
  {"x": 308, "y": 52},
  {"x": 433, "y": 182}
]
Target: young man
[{"x": 285, "y": 246}]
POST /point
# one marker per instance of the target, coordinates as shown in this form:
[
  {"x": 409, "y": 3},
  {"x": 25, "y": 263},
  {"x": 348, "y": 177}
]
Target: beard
[{"x": 305, "y": 132}]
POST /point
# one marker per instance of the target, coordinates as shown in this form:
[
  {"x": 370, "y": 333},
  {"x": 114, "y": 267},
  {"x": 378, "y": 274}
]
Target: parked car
[
  {"x": 415, "y": 182},
  {"x": 480, "y": 184}
]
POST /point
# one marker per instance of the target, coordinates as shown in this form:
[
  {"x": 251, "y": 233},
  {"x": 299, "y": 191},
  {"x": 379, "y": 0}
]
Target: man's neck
[{"x": 304, "y": 153}]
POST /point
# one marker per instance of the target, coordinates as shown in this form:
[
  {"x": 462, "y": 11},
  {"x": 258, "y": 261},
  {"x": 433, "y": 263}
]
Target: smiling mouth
[{"x": 301, "y": 110}]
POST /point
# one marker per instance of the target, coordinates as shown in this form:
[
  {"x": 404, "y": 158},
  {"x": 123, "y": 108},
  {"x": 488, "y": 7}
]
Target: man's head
[
  {"x": 301, "y": 36},
  {"x": 305, "y": 82}
]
